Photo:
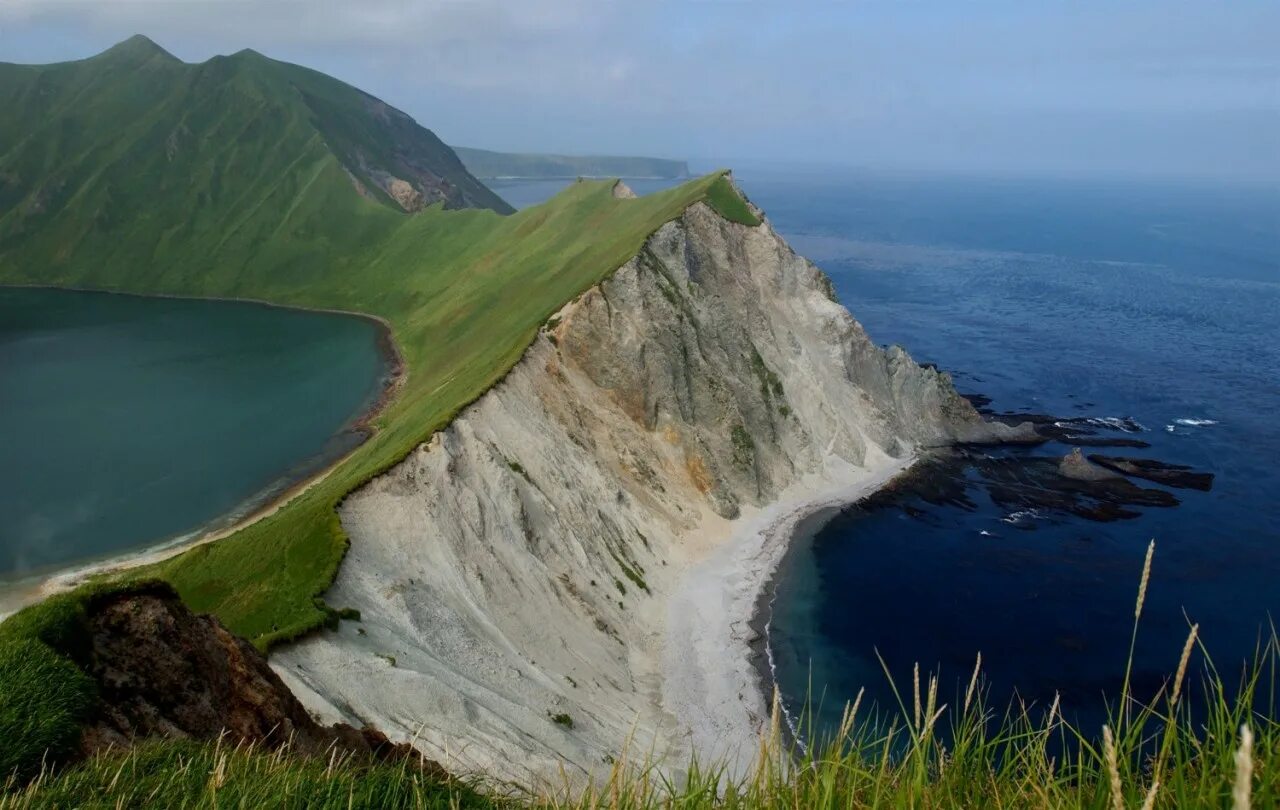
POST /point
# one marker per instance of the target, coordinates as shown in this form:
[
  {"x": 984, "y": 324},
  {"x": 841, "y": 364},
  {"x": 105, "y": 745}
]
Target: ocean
[{"x": 1144, "y": 311}]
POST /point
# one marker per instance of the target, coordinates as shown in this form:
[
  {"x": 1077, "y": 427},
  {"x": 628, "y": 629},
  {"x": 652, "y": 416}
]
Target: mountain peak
[{"x": 140, "y": 48}]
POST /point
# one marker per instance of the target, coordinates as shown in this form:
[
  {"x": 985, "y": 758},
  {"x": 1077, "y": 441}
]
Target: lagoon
[{"x": 127, "y": 422}]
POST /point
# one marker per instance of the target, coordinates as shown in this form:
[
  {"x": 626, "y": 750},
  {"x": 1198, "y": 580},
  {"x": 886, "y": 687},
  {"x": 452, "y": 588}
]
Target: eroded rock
[{"x": 163, "y": 671}]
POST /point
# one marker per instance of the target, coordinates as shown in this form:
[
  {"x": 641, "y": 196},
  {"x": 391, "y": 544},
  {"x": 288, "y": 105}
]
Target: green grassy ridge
[
  {"x": 460, "y": 324},
  {"x": 728, "y": 203},
  {"x": 489, "y": 165}
]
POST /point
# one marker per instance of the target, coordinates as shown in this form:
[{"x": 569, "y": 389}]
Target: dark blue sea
[{"x": 1093, "y": 301}]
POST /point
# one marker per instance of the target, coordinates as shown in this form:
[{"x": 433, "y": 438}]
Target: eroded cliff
[{"x": 516, "y": 574}]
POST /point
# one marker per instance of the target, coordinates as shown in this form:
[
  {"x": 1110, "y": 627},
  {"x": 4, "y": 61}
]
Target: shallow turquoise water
[{"x": 127, "y": 421}]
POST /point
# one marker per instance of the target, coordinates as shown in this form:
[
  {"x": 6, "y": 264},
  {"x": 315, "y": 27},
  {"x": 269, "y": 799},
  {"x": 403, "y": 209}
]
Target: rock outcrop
[
  {"x": 162, "y": 671},
  {"x": 1078, "y": 468},
  {"x": 515, "y": 573}
]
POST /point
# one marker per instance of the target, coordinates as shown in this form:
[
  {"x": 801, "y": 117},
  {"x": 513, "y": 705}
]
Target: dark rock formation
[
  {"x": 1078, "y": 468},
  {"x": 163, "y": 671},
  {"x": 1172, "y": 475},
  {"x": 1077, "y": 431}
]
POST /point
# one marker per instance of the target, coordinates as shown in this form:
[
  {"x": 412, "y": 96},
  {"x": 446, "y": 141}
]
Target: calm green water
[{"x": 126, "y": 422}]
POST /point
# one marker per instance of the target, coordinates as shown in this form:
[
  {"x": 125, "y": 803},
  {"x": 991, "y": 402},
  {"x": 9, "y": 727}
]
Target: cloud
[
  {"x": 317, "y": 21},
  {"x": 872, "y": 82}
]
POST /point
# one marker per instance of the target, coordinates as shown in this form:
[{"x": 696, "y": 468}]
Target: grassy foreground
[{"x": 931, "y": 752}]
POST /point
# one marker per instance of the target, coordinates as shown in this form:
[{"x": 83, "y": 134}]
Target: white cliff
[{"x": 587, "y": 540}]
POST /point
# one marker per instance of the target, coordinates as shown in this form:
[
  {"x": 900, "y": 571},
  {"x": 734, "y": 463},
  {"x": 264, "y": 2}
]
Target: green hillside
[
  {"x": 499, "y": 165},
  {"x": 135, "y": 159},
  {"x": 135, "y": 172}
]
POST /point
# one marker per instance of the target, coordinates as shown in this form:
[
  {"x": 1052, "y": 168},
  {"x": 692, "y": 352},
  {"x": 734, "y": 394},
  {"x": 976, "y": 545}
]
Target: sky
[{"x": 1135, "y": 87}]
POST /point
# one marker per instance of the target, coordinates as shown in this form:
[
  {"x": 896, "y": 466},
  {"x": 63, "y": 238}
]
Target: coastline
[
  {"x": 762, "y": 617},
  {"x": 713, "y": 680},
  {"x": 19, "y": 593}
]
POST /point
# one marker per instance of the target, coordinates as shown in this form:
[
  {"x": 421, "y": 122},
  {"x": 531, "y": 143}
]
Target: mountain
[
  {"x": 503, "y": 165},
  {"x": 135, "y": 141}
]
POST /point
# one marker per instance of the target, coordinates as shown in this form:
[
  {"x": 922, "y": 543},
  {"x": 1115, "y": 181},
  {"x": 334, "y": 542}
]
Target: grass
[
  {"x": 926, "y": 752},
  {"x": 728, "y": 203},
  {"x": 209, "y": 775},
  {"x": 744, "y": 447},
  {"x": 562, "y": 719}
]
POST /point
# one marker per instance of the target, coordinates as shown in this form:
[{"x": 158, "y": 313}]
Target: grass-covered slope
[
  {"x": 135, "y": 172},
  {"x": 728, "y": 203},
  {"x": 132, "y": 161},
  {"x": 506, "y": 165}
]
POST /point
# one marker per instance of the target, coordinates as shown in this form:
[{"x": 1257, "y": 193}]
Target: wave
[
  {"x": 792, "y": 724},
  {"x": 1021, "y": 517},
  {"x": 1195, "y": 422},
  {"x": 1123, "y": 423}
]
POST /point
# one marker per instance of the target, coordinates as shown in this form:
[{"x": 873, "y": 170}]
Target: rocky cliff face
[{"x": 515, "y": 573}]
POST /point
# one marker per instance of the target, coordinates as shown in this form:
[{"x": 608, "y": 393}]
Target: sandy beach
[{"x": 710, "y": 681}]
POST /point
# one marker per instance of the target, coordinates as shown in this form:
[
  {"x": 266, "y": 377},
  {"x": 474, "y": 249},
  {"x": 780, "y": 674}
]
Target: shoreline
[
  {"x": 761, "y": 622},
  {"x": 19, "y": 593},
  {"x": 713, "y": 680}
]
